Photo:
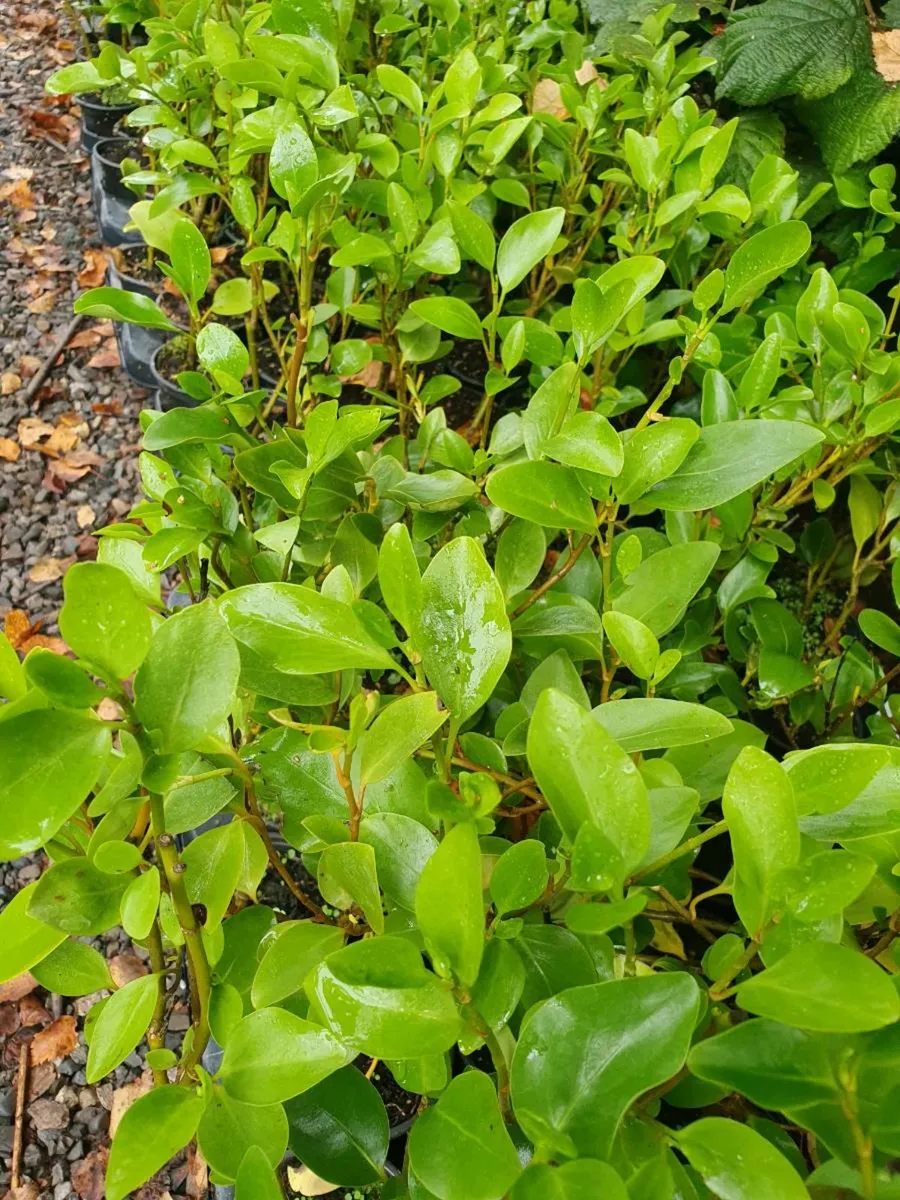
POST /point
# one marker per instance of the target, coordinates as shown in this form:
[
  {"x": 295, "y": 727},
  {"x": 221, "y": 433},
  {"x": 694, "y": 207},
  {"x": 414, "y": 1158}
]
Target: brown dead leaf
[
  {"x": 45, "y": 570},
  {"x": 124, "y": 1097},
  {"x": 547, "y": 98},
  {"x": 32, "y": 1012},
  {"x": 63, "y": 439},
  {"x": 29, "y": 364},
  {"x": 124, "y": 968},
  {"x": 111, "y": 408},
  {"x": 9, "y": 1020},
  {"x": 9, "y": 450},
  {"x": 87, "y": 337},
  {"x": 886, "y": 48},
  {"x": 32, "y": 429},
  {"x": 25, "y": 1191},
  {"x": 15, "y": 989},
  {"x": 44, "y": 303},
  {"x": 17, "y": 627},
  {"x": 54, "y": 1042},
  {"x": 108, "y": 710},
  {"x": 218, "y": 254},
  {"x": 586, "y": 72},
  {"x": 107, "y": 357},
  {"x": 89, "y": 1176},
  {"x": 18, "y": 194},
  {"x": 197, "y": 1179},
  {"x": 41, "y": 1079},
  {"x": 9, "y": 382},
  {"x": 93, "y": 273},
  {"x": 85, "y": 516}
]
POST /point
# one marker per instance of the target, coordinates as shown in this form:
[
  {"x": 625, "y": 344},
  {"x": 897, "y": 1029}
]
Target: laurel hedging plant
[{"x": 533, "y": 631}]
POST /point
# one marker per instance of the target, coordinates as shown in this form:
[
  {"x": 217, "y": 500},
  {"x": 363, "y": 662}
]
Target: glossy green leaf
[
  {"x": 272, "y": 1055},
  {"x": 73, "y": 969},
  {"x": 758, "y": 804},
  {"x": 621, "y": 1039},
  {"x": 379, "y": 999},
  {"x": 347, "y": 875},
  {"x": 823, "y": 987},
  {"x": 660, "y": 589},
  {"x": 186, "y": 685},
  {"x": 762, "y": 258},
  {"x": 339, "y": 1129},
  {"x": 722, "y": 1152},
  {"x": 76, "y": 897},
  {"x": 547, "y": 493},
  {"x": 730, "y": 458},
  {"x": 229, "y": 1128},
  {"x": 460, "y": 1146},
  {"x": 152, "y": 1131},
  {"x": 453, "y": 933},
  {"x": 397, "y": 732},
  {"x": 525, "y": 243},
  {"x": 49, "y": 761},
  {"x": 657, "y": 724},
  {"x": 463, "y": 628},
  {"x": 585, "y": 776},
  {"x": 122, "y": 1023},
  {"x": 24, "y": 940},
  {"x": 519, "y": 876}
]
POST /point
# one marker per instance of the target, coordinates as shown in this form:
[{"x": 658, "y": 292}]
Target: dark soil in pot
[
  {"x": 169, "y": 360},
  {"x": 100, "y": 117},
  {"x": 132, "y": 269}
]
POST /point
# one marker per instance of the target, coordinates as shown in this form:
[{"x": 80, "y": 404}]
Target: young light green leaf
[
  {"x": 122, "y": 1023},
  {"x": 104, "y": 620},
  {"x": 463, "y": 628},
  {"x": 152, "y": 1131},
  {"x": 762, "y": 258},
  {"x": 454, "y": 934},
  {"x": 272, "y": 1055},
  {"x": 585, "y": 776},
  {"x": 526, "y": 243},
  {"x": 397, "y": 732},
  {"x": 721, "y": 1150}
]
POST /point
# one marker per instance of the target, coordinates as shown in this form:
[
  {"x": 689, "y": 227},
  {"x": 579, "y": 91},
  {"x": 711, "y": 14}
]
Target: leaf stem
[
  {"x": 687, "y": 847},
  {"x": 553, "y": 579},
  {"x": 198, "y": 964}
]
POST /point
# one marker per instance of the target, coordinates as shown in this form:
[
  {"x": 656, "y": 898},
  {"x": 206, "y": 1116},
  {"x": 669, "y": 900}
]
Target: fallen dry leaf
[
  {"x": 15, "y": 989},
  {"x": 54, "y": 1042},
  {"x": 886, "y": 48},
  {"x": 63, "y": 439},
  {"x": 9, "y": 449},
  {"x": 25, "y": 1191},
  {"x": 32, "y": 429},
  {"x": 93, "y": 273},
  {"x": 89, "y": 1176},
  {"x": 108, "y": 710},
  {"x": 17, "y": 627},
  {"x": 9, "y": 1020},
  {"x": 69, "y": 468},
  {"x": 586, "y": 72},
  {"x": 107, "y": 357},
  {"x": 124, "y": 1097},
  {"x": 45, "y": 570},
  {"x": 41, "y": 1079},
  {"x": 85, "y": 516},
  {"x": 18, "y": 194},
  {"x": 304, "y": 1181},
  {"x": 87, "y": 337},
  {"x": 29, "y": 364},
  {"x": 17, "y": 172},
  {"x": 124, "y": 968},
  {"x": 547, "y": 98},
  {"x": 197, "y": 1179},
  {"x": 32, "y": 1012},
  {"x": 44, "y": 303},
  {"x": 9, "y": 383}
]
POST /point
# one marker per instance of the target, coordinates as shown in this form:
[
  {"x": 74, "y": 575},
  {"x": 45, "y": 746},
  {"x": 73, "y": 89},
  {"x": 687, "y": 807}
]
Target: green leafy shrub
[{"x": 530, "y": 633}]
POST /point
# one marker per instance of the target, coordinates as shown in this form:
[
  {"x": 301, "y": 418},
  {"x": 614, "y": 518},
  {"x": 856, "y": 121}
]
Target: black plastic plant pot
[
  {"x": 168, "y": 393},
  {"x": 99, "y": 119},
  {"x": 112, "y": 199},
  {"x": 137, "y": 347},
  {"x": 130, "y": 283}
]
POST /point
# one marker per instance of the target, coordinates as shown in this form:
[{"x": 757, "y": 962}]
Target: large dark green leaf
[
  {"x": 339, "y": 1129},
  {"x": 186, "y": 685},
  {"x": 379, "y": 998},
  {"x": 460, "y": 1146},
  {"x": 49, "y": 761},
  {"x": 300, "y": 631},
  {"x": 586, "y": 1054}
]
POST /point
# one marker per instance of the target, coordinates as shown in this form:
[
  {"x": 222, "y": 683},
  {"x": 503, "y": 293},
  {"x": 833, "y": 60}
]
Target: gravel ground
[
  {"x": 67, "y": 454},
  {"x": 67, "y": 467}
]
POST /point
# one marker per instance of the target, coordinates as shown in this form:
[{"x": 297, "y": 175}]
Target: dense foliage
[{"x": 514, "y": 584}]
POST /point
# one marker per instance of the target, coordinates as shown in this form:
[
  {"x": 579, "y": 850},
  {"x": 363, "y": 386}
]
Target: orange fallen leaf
[
  {"x": 93, "y": 273},
  {"x": 18, "y": 193},
  {"x": 9, "y": 450},
  {"x": 107, "y": 357},
  {"x": 10, "y": 382},
  {"x": 32, "y": 429},
  {"x": 54, "y": 1042},
  {"x": 886, "y": 48},
  {"x": 44, "y": 303},
  {"x": 61, "y": 441},
  {"x": 87, "y": 337}
]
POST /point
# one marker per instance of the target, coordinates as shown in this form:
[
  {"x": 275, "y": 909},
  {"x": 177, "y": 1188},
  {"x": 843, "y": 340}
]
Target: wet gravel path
[{"x": 67, "y": 453}]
